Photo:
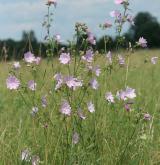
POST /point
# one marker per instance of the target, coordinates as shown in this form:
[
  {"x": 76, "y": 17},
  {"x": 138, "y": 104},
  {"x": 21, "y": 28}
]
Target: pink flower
[
  {"x": 91, "y": 39},
  {"x": 72, "y": 82},
  {"x": 32, "y": 85},
  {"x": 57, "y": 38},
  {"x": 35, "y": 160},
  {"x": 94, "y": 84},
  {"x": 64, "y": 58},
  {"x": 88, "y": 56},
  {"x": 29, "y": 57},
  {"x": 121, "y": 60},
  {"x": 65, "y": 108},
  {"x": 59, "y": 78},
  {"x": 80, "y": 114},
  {"x": 115, "y": 13},
  {"x": 75, "y": 138},
  {"x": 109, "y": 97},
  {"x": 90, "y": 106},
  {"x": 12, "y": 83},
  {"x": 44, "y": 101},
  {"x": 127, "y": 107},
  {"x": 142, "y": 42},
  {"x": 54, "y": 2},
  {"x": 37, "y": 60},
  {"x": 119, "y": 1},
  {"x": 130, "y": 19},
  {"x": 147, "y": 116},
  {"x": 16, "y": 65},
  {"x": 154, "y": 60},
  {"x": 97, "y": 70},
  {"x": 130, "y": 93},
  {"x": 107, "y": 24},
  {"x": 121, "y": 95}
]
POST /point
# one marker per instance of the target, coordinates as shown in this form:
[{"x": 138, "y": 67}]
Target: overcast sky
[{"x": 19, "y": 15}]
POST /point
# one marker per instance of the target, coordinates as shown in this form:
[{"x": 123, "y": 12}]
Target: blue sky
[{"x": 19, "y": 15}]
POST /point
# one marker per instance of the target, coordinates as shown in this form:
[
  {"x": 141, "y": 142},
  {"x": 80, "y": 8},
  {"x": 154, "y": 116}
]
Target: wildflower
[
  {"x": 34, "y": 111},
  {"x": 147, "y": 116},
  {"x": 107, "y": 24},
  {"x": 65, "y": 58},
  {"x": 97, "y": 70},
  {"x": 35, "y": 160},
  {"x": 130, "y": 19},
  {"x": 109, "y": 97},
  {"x": 12, "y": 83},
  {"x": 127, "y": 107},
  {"x": 65, "y": 108},
  {"x": 90, "y": 106},
  {"x": 121, "y": 60},
  {"x": 88, "y": 56},
  {"x": 119, "y": 1},
  {"x": 57, "y": 38},
  {"x": 54, "y": 2},
  {"x": 72, "y": 82},
  {"x": 154, "y": 60},
  {"x": 29, "y": 57},
  {"x": 121, "y": 95},
  {"x": 32, "y": 85},
  {"x": 130, "y": 93},
  {"x": 16, "y": 65},
  {"x": 109, "y": 57},
  {"x": 91, "y": 39},
  {"x": 44, "y": 101},
  {"x": 37, "y": 60},
  {"x": 75, "y": 138},
  {"x": 94, "y": 84},
  {"x": 25, "y": 155},
  {"x": 115, "y": 13},
  {"x": 142, "y": 42},
  {"x": 80, "y": 114},
  {"x": 59, "y": 78}
]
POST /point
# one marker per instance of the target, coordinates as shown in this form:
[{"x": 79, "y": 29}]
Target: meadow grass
[{"x": 109, "y": 136}]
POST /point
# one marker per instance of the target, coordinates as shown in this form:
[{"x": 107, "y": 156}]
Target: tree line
[{"x": 145, "y": 25}]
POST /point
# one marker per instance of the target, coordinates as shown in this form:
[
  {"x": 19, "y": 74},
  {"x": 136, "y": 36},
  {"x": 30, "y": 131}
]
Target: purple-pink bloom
[
  {"x": 64, "y": 58},
  {"x": 130, "y": 19},
  {"x": 65, "y": 108},
  {"x": 54, "y": 2},
  {"x": 147, "y": 116},
  {"x": 109, "y": 97},
  {"x": 32, "y": 85},
  {"x": 57, "y": 38},
  {"x": 59, "y": 78},
  {"x": 75, "y": 138},
  {"x": 94, "y": 84},
  {"x": 37, "y": 60},
  {"x": 142, "y": 42},
  {"x": 107, "y": 24},
  {"x": 121, "y": 95},
  {"x": 130, "y": 93},
  {"x": 154, "y": 60},
  {"x": 90, "y": 106},
  {"x": 119, "y": 1},
  {"x": 16, "y": 65},
  {"x": 115, "y": 13},
  {"x": 29, "y": 57},
  {"x": 127, "y": 107},
  {"x": 121, "y": 60},
  {"x": 91, "y": 39},
  {"x": 72, "y": 82},
  {"x": 88, "y": 56},
  {"x": 80, "y": 114},
  {"x": 97, "y": 70},
  {"x": 44, "y": 101},
  {"x": 12, "y": 83}
]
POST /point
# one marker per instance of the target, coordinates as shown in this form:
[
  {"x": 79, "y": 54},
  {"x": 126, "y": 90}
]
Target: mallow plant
[{"x": 74, "y": 92}]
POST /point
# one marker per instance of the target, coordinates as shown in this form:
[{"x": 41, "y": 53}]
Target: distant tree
[{"x": 147, "y": 26}]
